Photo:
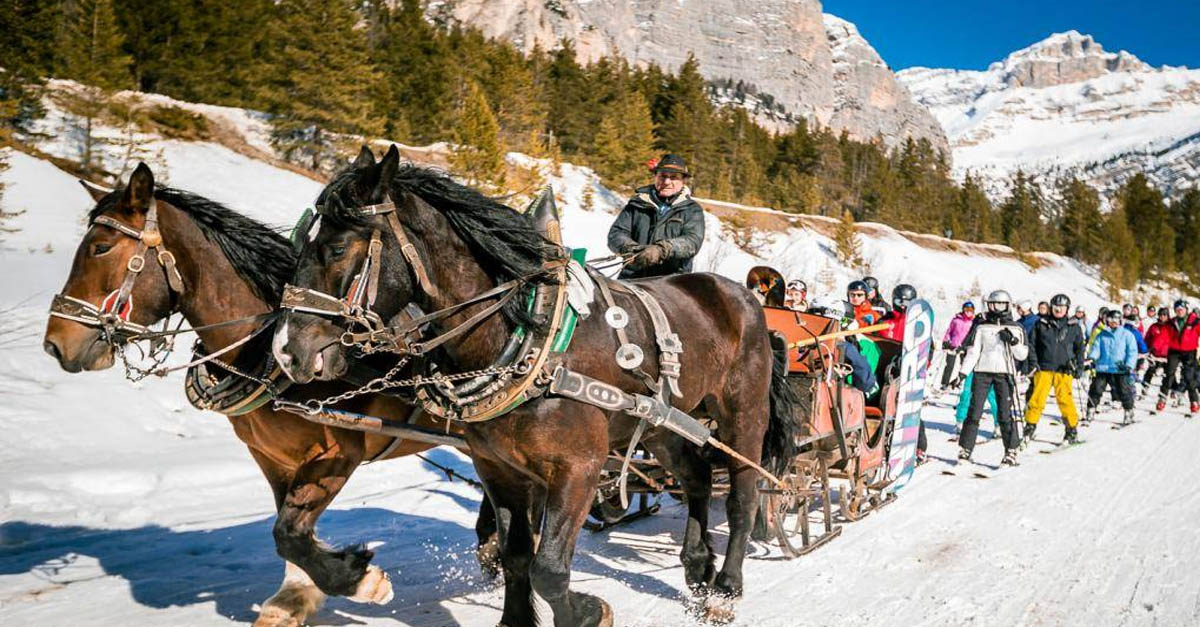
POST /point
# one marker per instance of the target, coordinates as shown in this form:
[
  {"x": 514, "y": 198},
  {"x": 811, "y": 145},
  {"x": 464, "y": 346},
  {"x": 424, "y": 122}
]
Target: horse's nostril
[{"x": 52, "y": 350}]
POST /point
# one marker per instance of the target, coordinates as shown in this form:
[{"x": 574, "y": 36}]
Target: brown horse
[
  {"x": 234, "y": 267},
  {"x": 540, "y": 462},
  {"x": 767, "y": 284}
]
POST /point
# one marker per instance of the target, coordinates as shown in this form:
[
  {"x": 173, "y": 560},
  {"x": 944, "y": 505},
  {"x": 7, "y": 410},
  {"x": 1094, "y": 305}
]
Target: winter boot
[
  {"x": 1161, "y": 404},
  {"x": 1071, "y": 436},
  {"x": 922, "y": 457},
  {"x": 964, "y": 455},
  {"x": 1027, "y": 434},
  {"x": 1089, "y": 414},
  {"x": 1128, "y": 417},
  {"x": 1010, "y": 458}
]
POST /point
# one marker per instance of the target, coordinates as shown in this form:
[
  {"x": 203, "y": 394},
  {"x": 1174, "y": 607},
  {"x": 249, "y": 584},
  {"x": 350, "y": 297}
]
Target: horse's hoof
[
  {"x": 374, "y": 587},
  {"x": 271, "y": 616},
  {"x": 718, "y": 609},
  {"x": 591, "y": 611},
  {"x": 488, "y": 555}
]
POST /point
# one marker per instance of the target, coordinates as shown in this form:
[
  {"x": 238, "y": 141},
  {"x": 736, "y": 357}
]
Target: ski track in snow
[{"x": 121, "y": 505}]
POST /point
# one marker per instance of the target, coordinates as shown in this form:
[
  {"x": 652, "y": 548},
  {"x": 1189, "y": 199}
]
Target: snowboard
[{"x": 914, "y": 368}]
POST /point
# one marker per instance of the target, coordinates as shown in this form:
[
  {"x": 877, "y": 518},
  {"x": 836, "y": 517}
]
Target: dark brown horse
[
  {"x": 233, "y": 267},
  {"x": 540, "y": 462}
]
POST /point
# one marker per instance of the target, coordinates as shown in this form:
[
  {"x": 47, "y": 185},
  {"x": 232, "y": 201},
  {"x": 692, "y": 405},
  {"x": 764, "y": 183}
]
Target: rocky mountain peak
[{"x": 1064, "y": 58}]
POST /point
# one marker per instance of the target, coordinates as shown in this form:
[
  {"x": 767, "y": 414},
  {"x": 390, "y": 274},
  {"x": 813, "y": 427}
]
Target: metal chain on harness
[{"x": 385, "y": 382}]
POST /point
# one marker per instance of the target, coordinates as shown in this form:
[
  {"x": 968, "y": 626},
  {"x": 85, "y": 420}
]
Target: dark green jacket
[{"x": 680, "y": 230}]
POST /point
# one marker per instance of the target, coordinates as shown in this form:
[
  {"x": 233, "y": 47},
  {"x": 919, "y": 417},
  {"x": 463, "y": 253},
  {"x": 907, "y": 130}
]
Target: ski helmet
[
  {"x": 1113, "y": 314},
  {"x": 998, "y": 301},
  {"x": 797, "y": 284},
  {"x": 1025, "y": 305},
  {"x": 1181, "y": 304},
  {"x": 1163, "y": 311},
  {"x": 872, "y": 283},
  {"x": 856, "y": 286},
  {"x": 969, "y": 305},
  {"x": 1060, "y": 300},
  {"x": 902, "y": 295}
]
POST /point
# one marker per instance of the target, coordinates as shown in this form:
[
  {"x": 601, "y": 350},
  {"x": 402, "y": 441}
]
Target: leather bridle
[
  {"x": 112, "y": 315},
  {"x": 357, "y": 305}
]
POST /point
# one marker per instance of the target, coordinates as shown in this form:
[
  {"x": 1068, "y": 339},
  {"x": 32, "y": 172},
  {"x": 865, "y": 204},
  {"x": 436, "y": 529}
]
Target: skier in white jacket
[{"x": 998, "y": 345}]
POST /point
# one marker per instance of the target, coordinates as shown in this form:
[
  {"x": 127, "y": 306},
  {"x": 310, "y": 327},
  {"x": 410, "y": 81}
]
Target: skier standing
[
  {"x": 998, "y": 344},
  {"x": 1158, "y": 344},
  {"x": 952, "y": 341},
  {"x": 1057, "y": 343},
  {"x": 1114, "y": 356},
  {"x": 1183, "y": 336}
]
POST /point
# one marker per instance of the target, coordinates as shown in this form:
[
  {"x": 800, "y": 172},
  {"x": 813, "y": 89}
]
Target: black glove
[
  {"x": 1123, "y": 368},
  {"x": 631, "y": 248},
  {"x": 947, "y": 346},
  {"x": 1007, "y": 337},
  {"x": 958, "y": 380}
]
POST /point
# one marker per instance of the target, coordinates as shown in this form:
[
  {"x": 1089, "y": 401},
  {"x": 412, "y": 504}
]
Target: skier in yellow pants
[{"x": 1057, "y": 344}]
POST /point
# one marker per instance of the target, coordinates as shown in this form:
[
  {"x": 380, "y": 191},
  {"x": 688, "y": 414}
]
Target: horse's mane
[
  {"x": 262, "y": 257},
  {"x": 504, "y": 242}
]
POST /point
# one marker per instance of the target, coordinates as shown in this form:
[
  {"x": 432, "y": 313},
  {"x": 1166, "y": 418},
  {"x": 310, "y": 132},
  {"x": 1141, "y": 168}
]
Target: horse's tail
[{"x": 779, "y": 442}]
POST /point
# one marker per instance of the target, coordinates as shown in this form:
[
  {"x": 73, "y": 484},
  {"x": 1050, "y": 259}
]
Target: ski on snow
[{"x": 1062, "y": 446}]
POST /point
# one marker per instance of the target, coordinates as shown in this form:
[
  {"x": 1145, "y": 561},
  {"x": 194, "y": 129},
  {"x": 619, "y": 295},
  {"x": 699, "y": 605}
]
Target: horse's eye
[
  {"x": 337, "y": 251},
  {"x": 100, "y": 249}
]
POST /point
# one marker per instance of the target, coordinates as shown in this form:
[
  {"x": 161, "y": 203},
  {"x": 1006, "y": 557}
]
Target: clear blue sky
[{"x": 970, "y": 35}]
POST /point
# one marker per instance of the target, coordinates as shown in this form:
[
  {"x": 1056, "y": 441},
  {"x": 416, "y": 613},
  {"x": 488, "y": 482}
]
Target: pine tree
[
  {"x": 416, "y": 92},
  {"x": 624, "y": 142},
  {"x": 1185, "y": 221},
  {"x": 1148, "y": 221},
  {"x": 688, "y": 126},
  {"x": 478, "y": 156},
  {"x": 846, "y": 242},
  {"x": 1081, "y": 226},
  {"x": 1121, "y": 263},
  {"x": 25, "y": 49},
  {"x": 1021, "y": 214},
  {"x": 90, "y": 52},
  {"x": 570, "y": 101},
  {"x": 323, "y": 79}
]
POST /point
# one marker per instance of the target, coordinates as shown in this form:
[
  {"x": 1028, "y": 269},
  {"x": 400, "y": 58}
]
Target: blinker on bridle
[
  {"x": 113, "y": 313},
  {"x": 357, "y": 305}
]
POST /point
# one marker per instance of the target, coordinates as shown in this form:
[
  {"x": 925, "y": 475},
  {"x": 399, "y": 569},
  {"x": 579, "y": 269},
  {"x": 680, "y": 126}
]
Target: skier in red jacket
[
  {"x": 1183, "y": 337},
  {"x": 1159, "y": 343}
]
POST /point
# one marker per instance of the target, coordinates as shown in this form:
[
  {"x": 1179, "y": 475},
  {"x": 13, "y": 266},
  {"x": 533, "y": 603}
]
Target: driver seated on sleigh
[{"x": 661, "y": 226}]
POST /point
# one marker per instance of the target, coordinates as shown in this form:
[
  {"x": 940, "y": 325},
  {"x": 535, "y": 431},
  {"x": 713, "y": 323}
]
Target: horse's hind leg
[
  {"x": 694, "y": 475},
  {"x": 746, "y": 414}
]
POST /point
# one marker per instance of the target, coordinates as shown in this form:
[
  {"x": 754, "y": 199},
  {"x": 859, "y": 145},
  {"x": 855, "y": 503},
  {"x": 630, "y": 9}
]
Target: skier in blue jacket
[{"x": 1114, "y": 355}]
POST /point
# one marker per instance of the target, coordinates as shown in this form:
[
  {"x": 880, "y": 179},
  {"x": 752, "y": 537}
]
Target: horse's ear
[
  {"x": 93, "y": 190},
  {"x": 365, "y": 158},
  {"x": 389, "y": 165},
  {"x": 140, "y": 189}
]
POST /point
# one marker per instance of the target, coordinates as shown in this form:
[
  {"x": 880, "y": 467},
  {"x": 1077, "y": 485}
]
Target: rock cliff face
[
  {"x": 816, "y": 66},
  {"x": 1066, "y": 106}
]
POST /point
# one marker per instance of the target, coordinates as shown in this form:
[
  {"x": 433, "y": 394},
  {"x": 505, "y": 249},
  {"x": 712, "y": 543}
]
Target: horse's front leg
[
  {"x": 571, "y": 475},
  {"x": 339, "y": 572},
  {"x": 508, "y": 492},
  {"x": 298, "y": 597}
]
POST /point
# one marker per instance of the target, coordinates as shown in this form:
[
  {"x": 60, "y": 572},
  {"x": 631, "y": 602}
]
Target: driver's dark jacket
[{"x": 681, "y": 229}]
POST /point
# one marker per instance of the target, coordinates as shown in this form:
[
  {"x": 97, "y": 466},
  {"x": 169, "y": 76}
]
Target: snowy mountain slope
[
  {"x": 1065, "y": 105},
  {"x": 122, "y": 505}
]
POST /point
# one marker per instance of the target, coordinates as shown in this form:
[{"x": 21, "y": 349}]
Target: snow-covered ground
[{"x": 122, "y": 505}]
